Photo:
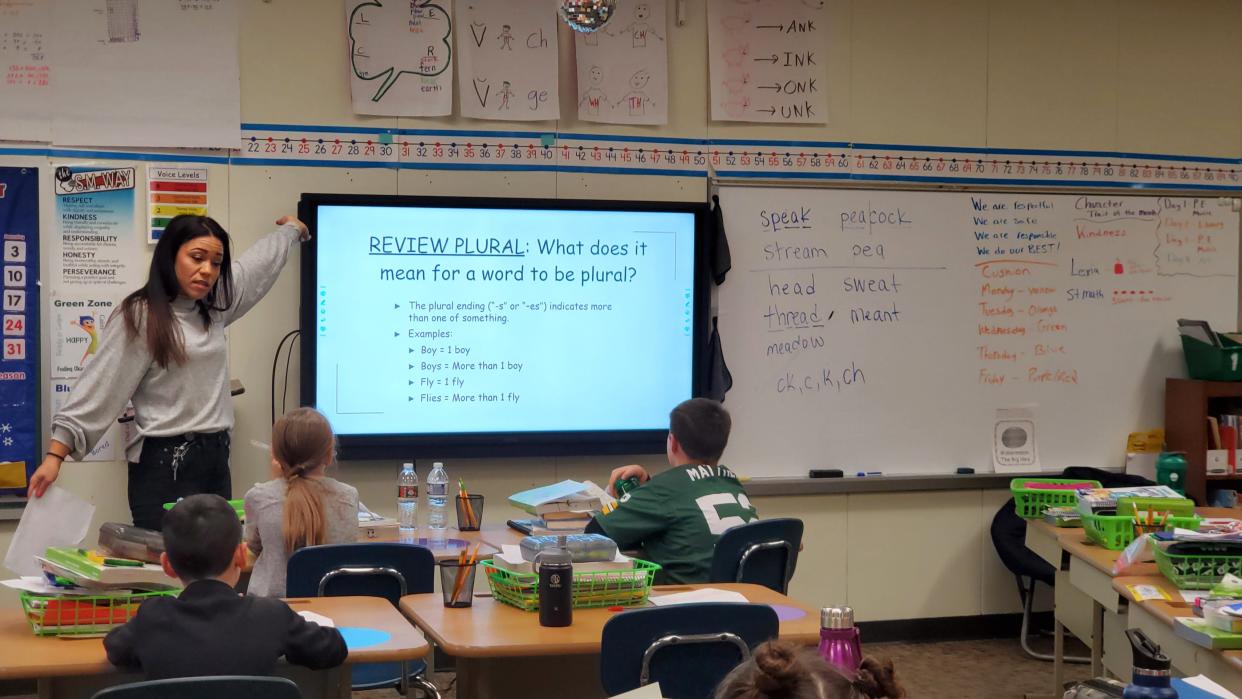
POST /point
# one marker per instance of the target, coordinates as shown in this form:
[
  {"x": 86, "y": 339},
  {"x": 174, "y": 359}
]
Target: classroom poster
[
  {"x": 400, "y": 57},
  {"x": 20, "y": 439},
  {"x": 623, "y": 68},
  {"x": 26, "y": 89},
  {"x": 93, "y": 248},
  {"x": 507, "y": 60},
  {"x": 766, "y": 61},
  {"x": 123, "y": 66},
  {"x": 171, "y": 191}
]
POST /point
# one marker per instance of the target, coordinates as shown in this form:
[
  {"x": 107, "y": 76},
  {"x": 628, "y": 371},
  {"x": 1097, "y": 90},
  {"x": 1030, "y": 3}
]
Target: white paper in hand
[
  {"x": 320, "y": 619},
  {"x": 59, "y": 518}
]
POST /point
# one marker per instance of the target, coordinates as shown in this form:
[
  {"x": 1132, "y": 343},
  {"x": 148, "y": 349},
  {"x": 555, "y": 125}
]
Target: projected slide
[{"x": 450, "y": 320}]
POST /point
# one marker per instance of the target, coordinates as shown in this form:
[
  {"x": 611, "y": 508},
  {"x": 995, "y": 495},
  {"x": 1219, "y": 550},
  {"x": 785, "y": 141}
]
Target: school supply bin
[
  {"x": 605, "y": 588},
  {"x": 1207, "y": 362},
  {"x": 1200, "y": 565},
  {"x": 1030, "y": 502},
  {"x": 83, "y": 615},
  {"x": 1115, "y": 532}
]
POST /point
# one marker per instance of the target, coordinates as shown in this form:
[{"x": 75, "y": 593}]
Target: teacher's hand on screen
[
  {"x": 44, "y": 476},
  {"x": 620, "y": 474},
  {"x": 293, "y": 221}
]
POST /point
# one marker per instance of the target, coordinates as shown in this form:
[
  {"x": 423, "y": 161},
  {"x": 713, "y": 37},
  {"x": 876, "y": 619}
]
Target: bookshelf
[{"x": 1187, "y": 405}]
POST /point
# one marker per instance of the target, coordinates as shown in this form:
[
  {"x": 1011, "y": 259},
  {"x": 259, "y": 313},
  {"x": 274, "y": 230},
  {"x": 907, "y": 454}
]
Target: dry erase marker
[{"x": 864, "y": 474}]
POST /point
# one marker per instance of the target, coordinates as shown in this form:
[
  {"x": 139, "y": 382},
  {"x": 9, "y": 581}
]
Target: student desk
[
  {"x": 69, "y": 667},
  {"x": 503, "y": 651},
  {"x": 1156, "y": 619},
  {"x": 1086, "y": 602}
]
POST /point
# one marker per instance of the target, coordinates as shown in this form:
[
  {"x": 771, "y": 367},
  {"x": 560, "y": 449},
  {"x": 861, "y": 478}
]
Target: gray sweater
[
  {"x": 179, "y": 398},
  {"x": 265, "y": 517}
]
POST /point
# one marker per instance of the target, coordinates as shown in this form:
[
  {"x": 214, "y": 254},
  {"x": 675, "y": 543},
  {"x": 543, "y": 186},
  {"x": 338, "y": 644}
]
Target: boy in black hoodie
[{"x": 210, "y": 629}]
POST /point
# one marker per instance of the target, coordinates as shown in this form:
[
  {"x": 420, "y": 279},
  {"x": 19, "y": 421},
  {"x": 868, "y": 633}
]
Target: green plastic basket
[
  {"x": 1208, "y": 363},
  {"x": 624, "y": 588},
  {"x": 83, "y": 615},
  {"x": 239, "y": 506},
  {"x": 1030, "y": 502},
  {"x": 1198, "y": 572},
  {"x": 1115, "y": 532}
]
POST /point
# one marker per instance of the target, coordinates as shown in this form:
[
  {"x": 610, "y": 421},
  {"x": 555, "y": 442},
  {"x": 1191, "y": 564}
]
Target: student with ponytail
[
  {"x": 782, "y": 670},
  {"x": 301, "y": 506}
]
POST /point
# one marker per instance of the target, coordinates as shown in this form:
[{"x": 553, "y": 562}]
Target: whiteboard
[{"x": 880, "y": 330}]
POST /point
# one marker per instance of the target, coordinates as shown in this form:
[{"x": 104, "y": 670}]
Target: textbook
[
  {"x": 566, "y": 496},
  {"x": 92, "y": 569},
  {"x": 1201, "y": 633}
]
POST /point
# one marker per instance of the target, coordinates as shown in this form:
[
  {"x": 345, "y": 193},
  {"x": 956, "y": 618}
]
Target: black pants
[{"x": 174, "y": 467}]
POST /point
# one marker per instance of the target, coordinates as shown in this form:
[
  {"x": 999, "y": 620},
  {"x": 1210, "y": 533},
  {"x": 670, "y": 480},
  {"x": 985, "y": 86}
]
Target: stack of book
[
  {"x": 1224, "y": 432},
  {"x": 1093, "y": 501},
  {"x": 96, "y": 571},
  {"x": 561, "y": 507}
]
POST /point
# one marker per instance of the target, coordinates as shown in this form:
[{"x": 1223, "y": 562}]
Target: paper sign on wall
[
  {"x": 94, "y": 230},
  {"x": 172, "y": 191},
  {"x": 401, "y": 57},
  {"x": 508, "y": 60},
  {"x": 766, "y": 60},
  {"x": 25, "y": 71},
  {"x": 122, "y": 67},
  {"x": 1013, "y": 440},
  {"x": 623, "y": 68}
]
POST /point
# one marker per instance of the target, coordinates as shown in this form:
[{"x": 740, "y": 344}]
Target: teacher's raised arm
[{"x": 164, "y": 349}]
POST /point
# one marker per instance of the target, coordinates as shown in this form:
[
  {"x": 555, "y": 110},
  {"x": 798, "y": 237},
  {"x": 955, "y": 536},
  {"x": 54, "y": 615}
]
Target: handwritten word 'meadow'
[{"x": 428, "y": 245}]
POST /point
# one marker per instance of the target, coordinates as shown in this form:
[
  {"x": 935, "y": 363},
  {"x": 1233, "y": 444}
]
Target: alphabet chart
[
  {"x": 766, "y": 61},
  {"x": 401, "y": 57},
  {"x": 508, "y": 61},
  {"x": 623, "y": 68}
]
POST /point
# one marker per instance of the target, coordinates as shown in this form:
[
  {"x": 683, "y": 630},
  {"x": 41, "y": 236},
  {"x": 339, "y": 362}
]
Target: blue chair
[
  {"x": 222, "y": 687},
  {"x": 388, "y": 570},
  {"x": 764, "y": 552},
  {"x": 687, "y": 648}
]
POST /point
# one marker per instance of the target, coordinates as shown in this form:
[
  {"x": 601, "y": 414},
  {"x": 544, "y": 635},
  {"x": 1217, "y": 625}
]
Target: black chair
[
  {"x": 388, "y": 570},
  {"x": 764, "y": 552},
  {"x": 1009, "y": 538},
  {"x": 687, "y": 648},
  {"x": 222, "y": 687}
]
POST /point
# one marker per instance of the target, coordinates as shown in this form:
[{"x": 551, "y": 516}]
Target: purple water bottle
[{"x": 838, "y": 639}]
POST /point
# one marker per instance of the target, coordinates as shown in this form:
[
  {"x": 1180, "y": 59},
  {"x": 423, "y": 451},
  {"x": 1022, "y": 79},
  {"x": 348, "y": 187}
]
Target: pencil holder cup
[
  {"x": 469, "y": 513},
  {"x": 457, "y": 583}
]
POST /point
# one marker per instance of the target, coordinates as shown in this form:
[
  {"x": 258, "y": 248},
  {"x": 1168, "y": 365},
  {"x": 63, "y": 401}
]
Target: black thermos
[{"x": 556, "y": 585}]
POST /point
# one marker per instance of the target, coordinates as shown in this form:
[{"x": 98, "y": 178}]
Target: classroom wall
[{"x": 1125, "y": 75}]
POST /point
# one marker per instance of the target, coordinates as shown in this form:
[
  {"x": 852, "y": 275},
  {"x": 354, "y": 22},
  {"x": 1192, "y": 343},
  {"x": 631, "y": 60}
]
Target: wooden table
[
  {"x": 1085, "y": 582},
  {"x": 503, "y": 651},
  {"x": 78, "y": 667},
  {"x": 1156, "y": 619}
]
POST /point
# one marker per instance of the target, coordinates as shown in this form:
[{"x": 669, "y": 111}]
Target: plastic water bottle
[
  {"x": 437, "y": 498},
  {"x": 407, "y": 501},
  {"x": 838, "y": 639}
]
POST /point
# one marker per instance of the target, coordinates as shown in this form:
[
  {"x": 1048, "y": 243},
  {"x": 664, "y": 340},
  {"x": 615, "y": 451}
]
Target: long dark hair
[{"x": 153, "y": 302}]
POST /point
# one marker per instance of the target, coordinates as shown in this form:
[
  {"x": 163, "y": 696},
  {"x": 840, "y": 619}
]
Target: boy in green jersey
[{"x": 678, "y": 515}]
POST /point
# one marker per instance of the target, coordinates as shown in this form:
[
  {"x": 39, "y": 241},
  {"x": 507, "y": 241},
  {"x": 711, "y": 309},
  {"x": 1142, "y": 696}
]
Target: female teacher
[{"x": 165, "y": 350}]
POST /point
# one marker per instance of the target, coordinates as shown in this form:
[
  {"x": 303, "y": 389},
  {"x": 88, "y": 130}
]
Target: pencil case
[
  {"x": 584, "y": 548},
  {"x": 128, "y": 541}
]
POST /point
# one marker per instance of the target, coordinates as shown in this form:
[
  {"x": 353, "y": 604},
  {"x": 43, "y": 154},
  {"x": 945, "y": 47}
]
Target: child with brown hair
[
  {"x": 302, "y": 506},
  {"x": 782, "y": 670}
]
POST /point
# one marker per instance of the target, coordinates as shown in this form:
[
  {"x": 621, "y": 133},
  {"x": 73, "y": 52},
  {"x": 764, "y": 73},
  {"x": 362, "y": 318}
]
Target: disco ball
[{"x": 586, "y": 15}]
